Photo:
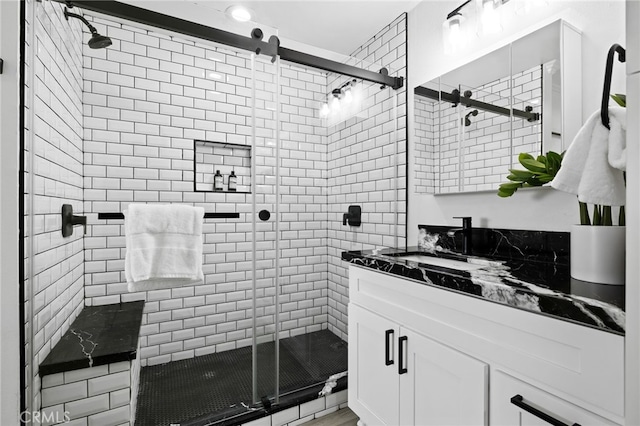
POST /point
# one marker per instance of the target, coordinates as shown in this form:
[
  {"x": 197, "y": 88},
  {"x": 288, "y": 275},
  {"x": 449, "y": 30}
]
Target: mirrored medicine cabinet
[{"x": 472, "y": 122}]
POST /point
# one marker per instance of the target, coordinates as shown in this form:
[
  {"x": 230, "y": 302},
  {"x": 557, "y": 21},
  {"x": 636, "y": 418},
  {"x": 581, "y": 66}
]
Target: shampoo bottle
[
  {"x": 233, "y": 181},
  {"x": 217, "y": 181}
]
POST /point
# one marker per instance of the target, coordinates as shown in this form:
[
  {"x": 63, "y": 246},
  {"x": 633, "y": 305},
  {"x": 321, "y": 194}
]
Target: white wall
[
  {"x": 602, "y": 23},
  {"x": 9, "y": 160},
  {"x": 632, "y": 293}
]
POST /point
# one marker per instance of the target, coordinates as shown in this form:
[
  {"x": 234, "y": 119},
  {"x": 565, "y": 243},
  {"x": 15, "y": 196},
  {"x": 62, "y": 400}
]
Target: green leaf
[
  {"x": 522, "y": 174},
  {"x": 554, "y": 160},
  {"x": 525, "y": 156},
  {"x": 545, "y": 178},
  {"x": 597, "y": 215},
  {"x": 533, "y": 165},
  {"x": 505, "y": 194},
  {"x": 510, "y": 185},
  {"x": 584, "y": 214},
  {"x": 542, "y": 159},
  {"x": 620, "y": 99},
  {"x": 606, "y": 216}
]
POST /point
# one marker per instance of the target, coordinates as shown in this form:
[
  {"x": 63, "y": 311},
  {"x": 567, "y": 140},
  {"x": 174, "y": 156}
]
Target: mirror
[{"x": 472, "y": 122}]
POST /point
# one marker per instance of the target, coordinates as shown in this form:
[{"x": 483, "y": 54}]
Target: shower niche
[{"x": 211, "y": 157}]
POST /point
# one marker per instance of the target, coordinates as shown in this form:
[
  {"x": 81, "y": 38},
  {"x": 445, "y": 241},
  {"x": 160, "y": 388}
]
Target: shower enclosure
[{"x": 151, "y": 119}]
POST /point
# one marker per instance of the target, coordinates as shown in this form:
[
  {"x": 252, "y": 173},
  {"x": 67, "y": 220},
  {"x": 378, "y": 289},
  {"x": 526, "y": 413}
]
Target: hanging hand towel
[
  {"x": 592, "y": 166},
  {"x": 164, "y": 246}
]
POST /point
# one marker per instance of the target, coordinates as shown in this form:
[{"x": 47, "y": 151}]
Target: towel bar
[{"x": 107, "y": 216}]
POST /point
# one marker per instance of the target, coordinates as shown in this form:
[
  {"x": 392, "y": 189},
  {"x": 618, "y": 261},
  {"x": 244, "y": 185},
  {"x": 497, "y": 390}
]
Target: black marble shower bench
[{"x": 92, "y": 372}]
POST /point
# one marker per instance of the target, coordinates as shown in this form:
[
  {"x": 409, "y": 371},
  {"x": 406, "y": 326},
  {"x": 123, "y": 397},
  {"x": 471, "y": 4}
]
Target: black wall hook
[{"x": 608, "y": 71}]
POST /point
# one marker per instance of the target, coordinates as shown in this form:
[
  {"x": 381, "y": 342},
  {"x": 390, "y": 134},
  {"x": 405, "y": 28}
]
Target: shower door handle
[
  {"x": 387, "y": 347},
  {"x": 264, "y": 215}
]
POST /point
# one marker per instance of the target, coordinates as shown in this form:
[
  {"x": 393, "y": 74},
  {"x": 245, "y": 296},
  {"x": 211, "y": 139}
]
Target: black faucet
[{"x": 466, "y": 233}]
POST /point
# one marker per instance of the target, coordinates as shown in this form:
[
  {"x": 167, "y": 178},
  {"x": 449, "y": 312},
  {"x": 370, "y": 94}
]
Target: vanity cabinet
[
  {"x": 466, "y": 358},
  {"x": 400, "y": 377}
]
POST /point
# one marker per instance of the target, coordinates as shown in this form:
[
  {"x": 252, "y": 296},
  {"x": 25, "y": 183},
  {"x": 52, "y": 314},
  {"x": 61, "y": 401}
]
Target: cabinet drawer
[{"x": 533, "y": 406}]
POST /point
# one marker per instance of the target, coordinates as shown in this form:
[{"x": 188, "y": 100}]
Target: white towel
[
  {"x": 164, "y": 246},
  {"x": 593, "y": 164}
]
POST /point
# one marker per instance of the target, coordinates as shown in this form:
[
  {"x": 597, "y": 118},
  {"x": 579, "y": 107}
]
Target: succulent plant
[
  {"x": 542, "y": 170},
  {"x": 538, "y": 171}
]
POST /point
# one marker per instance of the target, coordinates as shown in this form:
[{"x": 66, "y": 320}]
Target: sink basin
[{"x": 439, "y": 261}]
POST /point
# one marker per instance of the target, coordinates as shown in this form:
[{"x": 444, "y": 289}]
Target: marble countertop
[
  {"x": 99, "y": 335},
  {"x": 544, "y": 288}
]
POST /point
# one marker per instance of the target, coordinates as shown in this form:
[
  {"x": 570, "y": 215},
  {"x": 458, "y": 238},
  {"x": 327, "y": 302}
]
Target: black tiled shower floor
[{"x": 220, "y": 383}]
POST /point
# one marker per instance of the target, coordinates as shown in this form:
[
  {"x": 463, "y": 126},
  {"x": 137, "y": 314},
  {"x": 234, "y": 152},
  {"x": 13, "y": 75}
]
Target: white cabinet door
[
  {"x": 373, "y": 370},
  {"x": 441, "y": 386},
  {"x": 534, "y": 407}
]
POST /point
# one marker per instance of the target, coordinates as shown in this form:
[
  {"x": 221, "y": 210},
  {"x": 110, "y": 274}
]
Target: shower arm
[{"x": 80, "y": 17}]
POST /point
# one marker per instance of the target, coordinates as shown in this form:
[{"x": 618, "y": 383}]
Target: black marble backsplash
[{"x": 508, "y": 244}]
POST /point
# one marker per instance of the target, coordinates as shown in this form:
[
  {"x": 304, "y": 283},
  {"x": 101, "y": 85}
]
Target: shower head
[
  {"x": 97, "y": 41},
  {"x": 467, "y": 121}
]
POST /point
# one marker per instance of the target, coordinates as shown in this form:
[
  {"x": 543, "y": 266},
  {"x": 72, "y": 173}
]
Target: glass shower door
[{"x": 265, "y": 227}]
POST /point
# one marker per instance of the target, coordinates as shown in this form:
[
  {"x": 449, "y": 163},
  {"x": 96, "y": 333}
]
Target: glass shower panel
[
  {"x": 265, "y": 224},
  {"x": 340, "y": 147}
]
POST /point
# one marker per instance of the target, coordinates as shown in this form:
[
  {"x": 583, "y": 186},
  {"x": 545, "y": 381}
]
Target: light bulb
[
  {"x": 490, "y": 16},
  {"x": 324, "y": 110},
  {"x": 335, "y": 104},
  {"x": 348, "y": 97},
  {"x": 453, "y": 34}
]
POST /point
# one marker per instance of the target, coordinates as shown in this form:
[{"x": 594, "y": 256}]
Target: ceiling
[{"x": 339, "y": 26}]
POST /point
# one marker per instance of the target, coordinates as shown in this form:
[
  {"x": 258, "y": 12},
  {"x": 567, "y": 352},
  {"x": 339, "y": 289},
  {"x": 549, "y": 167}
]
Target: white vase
[{"x": 598, "y": 253}]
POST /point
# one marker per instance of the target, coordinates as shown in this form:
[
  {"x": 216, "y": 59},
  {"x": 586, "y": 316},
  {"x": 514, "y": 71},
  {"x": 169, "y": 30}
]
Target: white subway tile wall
[
  {"x": 367, "y": 167},
  {"x": 53, "y": 135},
  {"x": 426, "y": 146},
  {"x": 144, "y": 109},
  {"x": 105, "y": 394}
]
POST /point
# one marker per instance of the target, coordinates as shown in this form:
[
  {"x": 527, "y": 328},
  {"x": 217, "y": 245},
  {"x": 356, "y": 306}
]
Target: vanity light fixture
[
  {"x": 345, "y": 94},
  {"x": 489, "y": 16},
  {"x": 454, "y": 35}
]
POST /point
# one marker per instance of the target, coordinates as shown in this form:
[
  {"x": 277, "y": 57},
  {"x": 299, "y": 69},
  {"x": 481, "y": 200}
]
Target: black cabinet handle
[
  {"x": 518, "y": 400},
  {"x": 387, "y": 347},
  {"x": 401, "y": 369}
]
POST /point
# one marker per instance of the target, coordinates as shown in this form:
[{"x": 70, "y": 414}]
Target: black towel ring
[{"x": 604, "y": 107}]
